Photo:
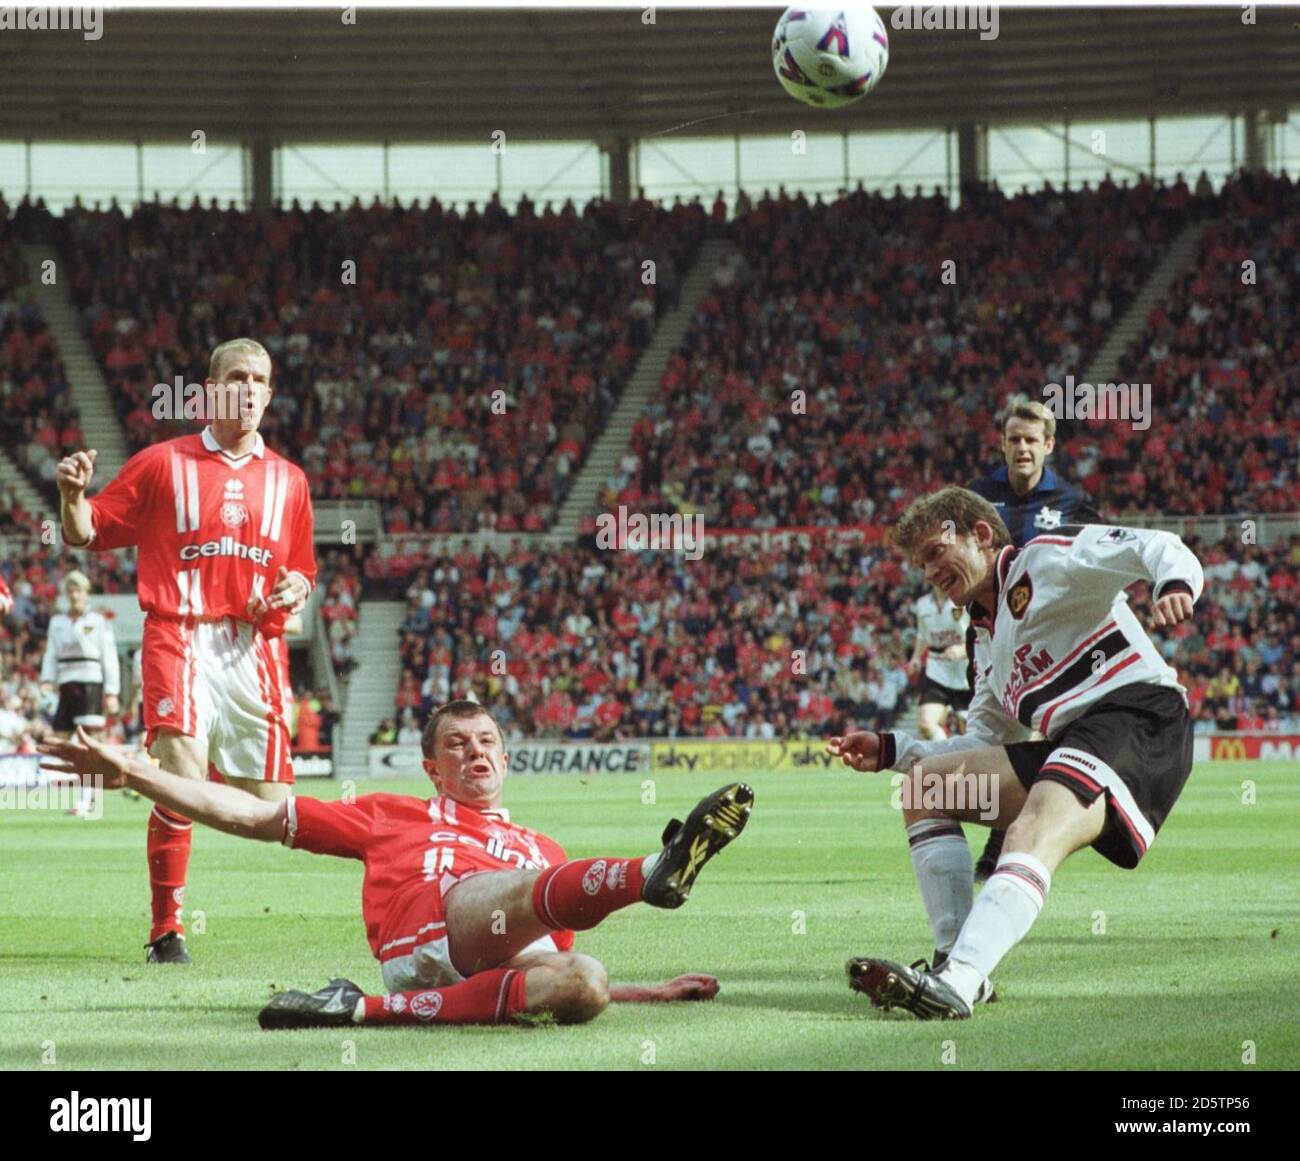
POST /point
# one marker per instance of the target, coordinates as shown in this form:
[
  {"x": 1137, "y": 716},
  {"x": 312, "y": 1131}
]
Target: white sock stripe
[
  {"x": 170, "y": 822},
  {"x": 1025, "y": 872},
  {"x": 546, "y": 904},
  {"x": 928, "y": 824},
  {"x": 934, "y": 830}
]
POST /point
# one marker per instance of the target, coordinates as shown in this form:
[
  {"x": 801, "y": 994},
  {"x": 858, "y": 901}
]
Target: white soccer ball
[{"x": 830, "y": 57}]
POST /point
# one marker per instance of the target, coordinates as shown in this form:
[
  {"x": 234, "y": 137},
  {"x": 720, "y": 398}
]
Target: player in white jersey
[
  {"x": 81, "y": 660},
  {"x": 1057, "y": 649},
  {"x": 941, "y": 648}
]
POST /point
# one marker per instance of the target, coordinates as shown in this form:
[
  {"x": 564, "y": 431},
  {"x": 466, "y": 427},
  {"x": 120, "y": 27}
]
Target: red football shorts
[{"x": 219, "y": 680}]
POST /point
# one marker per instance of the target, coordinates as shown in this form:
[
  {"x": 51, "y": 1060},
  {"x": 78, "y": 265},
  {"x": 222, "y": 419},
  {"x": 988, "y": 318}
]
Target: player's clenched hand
[
  {"x": 692, "y": 986},
  {"x": 859, "y": 750},
  {"x": 290, "y": 592},
  {"x": 83, "y": 756},
  {"x": 1172, "y": 610},
  {"x": 74, "y": 473}
]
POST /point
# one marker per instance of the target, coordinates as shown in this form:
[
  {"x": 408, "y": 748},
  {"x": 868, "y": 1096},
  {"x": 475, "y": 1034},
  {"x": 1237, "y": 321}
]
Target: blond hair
[
  {"x": 78, "y": 580},
  {"x": 1022, "y": 407},
  {"x": 954, "y": 509},
  {"x": 235, "y": 346}
]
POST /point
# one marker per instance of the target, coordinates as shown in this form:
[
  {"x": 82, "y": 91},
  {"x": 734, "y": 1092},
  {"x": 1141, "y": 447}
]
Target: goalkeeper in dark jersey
[{"x": 1031, "y": 499}]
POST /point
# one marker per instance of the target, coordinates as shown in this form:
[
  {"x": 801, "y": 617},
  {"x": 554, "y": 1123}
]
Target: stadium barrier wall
[{"x": 746, "y": 756}]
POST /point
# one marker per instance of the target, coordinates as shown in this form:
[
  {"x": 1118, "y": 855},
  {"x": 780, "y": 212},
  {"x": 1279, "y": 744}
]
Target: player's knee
[{"x": 583, "y": 992}]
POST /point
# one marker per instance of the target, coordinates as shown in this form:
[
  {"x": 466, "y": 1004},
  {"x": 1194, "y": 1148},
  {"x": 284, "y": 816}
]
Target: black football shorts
[{"x": 1134, "y": 746}]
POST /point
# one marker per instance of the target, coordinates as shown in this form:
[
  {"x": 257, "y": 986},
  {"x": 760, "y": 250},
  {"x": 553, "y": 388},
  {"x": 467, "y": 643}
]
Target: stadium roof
[{"x": 457, "y": 74}]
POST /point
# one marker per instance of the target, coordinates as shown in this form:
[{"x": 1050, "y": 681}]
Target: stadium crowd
[
  {"x": 861, "y": 348},
  {"x": 454, "y": 366},
  {"x": 38, "y": 418},
  {"x": 1222, "y": 354},
  {"x": 804, "y": 637}
]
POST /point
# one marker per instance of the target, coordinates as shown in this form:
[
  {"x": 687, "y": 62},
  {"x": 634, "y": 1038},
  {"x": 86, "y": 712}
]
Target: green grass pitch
[{"x": 1175, "y": 965}]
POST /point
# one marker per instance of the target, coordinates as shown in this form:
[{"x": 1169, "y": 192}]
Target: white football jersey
[
  {"x": 938, "y": 626},
  {"x": 1060, "y": 635},
  {"x": 82, "y": 650}
]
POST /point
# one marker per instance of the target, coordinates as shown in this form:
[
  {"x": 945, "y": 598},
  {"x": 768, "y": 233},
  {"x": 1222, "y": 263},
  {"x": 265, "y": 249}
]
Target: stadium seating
[
  {"x": 1223, "y": 358},
  {"x": 814, "y": 383},
  {"x": 763, "y": 641},
  {"x": 454, "y": 367},
  {"x": 39, "y": 422}
]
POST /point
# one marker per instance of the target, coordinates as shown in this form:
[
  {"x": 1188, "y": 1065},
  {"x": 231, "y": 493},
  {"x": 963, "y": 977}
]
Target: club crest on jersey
[
  {"x": 1048, "y": 517},
  {"x": 165, "y": 707},
  {"x": 1019, "y": 595},
  {"x": 233, "y": 512}
]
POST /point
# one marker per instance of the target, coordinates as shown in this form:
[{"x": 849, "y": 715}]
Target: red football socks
[
  {"x": 491, "y": 997},
  {"x": 578, "y": 894},
  {"x": 169, "y": 858}
]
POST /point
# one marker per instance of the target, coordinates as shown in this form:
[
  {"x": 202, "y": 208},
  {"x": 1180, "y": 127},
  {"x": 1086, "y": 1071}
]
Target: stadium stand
[
  {"x": 461, "y": 385},
  {"x": 886, "y": 353},
  {"x": 615, "y": 645}
]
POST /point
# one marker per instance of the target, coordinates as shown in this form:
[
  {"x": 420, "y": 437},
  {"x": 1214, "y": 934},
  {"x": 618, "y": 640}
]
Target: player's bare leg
[
  {"x": 170, "y": 836},
  {"x": 937, "y": 796},
  {"x": 977, "y": 786},
  {"x": 930, "y": 717},
  {"x": 1053, "y": 823},
  {"x": 494, "y": 916},
  {"x": 567, "y": 987}
]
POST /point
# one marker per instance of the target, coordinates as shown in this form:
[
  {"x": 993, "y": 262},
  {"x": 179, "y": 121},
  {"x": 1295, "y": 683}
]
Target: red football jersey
[
  {"x": 414, "y": 847},
  {"x": 211, "y": 529}
]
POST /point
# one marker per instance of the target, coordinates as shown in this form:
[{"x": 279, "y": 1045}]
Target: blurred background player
[
  {"x": 1031, "y": 499},
  {"x": 224, "y": 530},
  {"x": 81, "y": 661},
  {"x": 940, "y": 656}
]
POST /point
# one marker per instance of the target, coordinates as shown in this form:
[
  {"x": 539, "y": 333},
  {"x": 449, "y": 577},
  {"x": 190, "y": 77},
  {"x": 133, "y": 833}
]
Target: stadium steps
[
  {"x": 1106, "y": 365},
  {"x": 12, "y": 477},
  {"x": 89, "y": 390},
  {"x": 372, "y": 686},
  {"x": 611, "y": 445}
]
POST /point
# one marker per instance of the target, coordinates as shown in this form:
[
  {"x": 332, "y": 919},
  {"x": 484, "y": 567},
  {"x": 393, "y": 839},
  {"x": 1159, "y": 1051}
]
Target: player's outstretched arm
[
  {"x": 220, "y": 807},
  {"x": 692, "y": 986}
]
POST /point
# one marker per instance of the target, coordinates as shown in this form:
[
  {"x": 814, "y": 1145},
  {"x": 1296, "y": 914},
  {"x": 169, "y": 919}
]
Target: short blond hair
[
  {"x": 77, "y": 579},
  {"x": 955, "y": 508},
  {"x": 234, "y": 346},
  {"x": 1022, "y": 407}
]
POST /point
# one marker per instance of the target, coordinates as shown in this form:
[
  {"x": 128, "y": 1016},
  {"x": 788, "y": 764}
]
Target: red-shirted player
[
  {"x": 223, "y": 528},
  {"x": 470, "y": 915},
  {"x": 6, "y": 597}
]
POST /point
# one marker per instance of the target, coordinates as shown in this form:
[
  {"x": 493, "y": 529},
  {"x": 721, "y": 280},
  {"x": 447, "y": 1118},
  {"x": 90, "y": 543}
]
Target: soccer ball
[{"x": 830, "y": 57}]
